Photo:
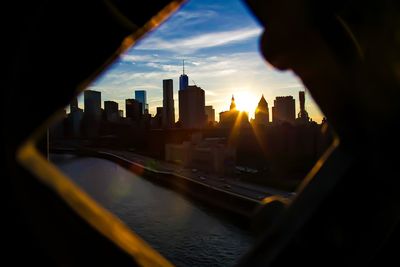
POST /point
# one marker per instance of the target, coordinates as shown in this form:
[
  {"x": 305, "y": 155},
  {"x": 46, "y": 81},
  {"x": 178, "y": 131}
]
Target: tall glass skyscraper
[
  {"x": 141, "y": 97},
  {"x": 183, "y": 82},
  {"x": 183, "y": 79}
]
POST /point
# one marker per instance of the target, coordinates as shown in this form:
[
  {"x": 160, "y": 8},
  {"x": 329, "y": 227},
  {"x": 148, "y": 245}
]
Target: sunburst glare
[{"x": 246, "y": 101}]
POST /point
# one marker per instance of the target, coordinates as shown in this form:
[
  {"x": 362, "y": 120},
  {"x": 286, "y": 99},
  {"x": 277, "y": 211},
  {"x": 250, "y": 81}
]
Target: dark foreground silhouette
[{"x": 345, "y": 52}]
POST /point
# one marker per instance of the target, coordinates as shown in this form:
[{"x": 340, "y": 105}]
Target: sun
[{"x": 246, "y": 101}]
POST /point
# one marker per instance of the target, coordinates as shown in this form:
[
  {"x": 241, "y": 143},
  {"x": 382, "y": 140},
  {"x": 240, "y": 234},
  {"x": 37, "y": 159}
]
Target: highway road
[{"x": 252, "y": 191}]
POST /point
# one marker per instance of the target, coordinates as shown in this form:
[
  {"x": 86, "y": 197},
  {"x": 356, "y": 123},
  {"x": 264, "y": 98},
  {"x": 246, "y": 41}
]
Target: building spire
[
  {"x": 183, "y": 67},
  {"x": 233, "y": 105},
  {"x": 262, "y": 105},
  {"x": 303, "y": 115}
]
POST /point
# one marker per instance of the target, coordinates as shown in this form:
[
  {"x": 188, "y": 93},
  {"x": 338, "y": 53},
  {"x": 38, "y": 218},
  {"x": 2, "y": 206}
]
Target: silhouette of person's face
[{"x": 292, "y": 40}]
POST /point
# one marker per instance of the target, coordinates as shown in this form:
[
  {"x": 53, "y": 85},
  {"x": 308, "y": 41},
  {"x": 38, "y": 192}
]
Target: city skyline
[
  {"x": 222, "y": 60},
  {"x": 282, "y": 110}
]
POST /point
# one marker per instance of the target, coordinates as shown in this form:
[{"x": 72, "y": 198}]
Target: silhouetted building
[
  {"x": 121, "y": 113},
  {"x": 233, "y": 117},
  {"x": 133, "y": 109},
  {"x": 192, "y": 107},
  {"x": 92, "y": 100},
  {"x": 141, "y": 97},
  {"x": 183, "y": 79},
  {"x": 74, "y": 105},
  {"x": 284, "y": 110},
  {"x": 303, "y": 114},
  {"x": 92, "y": 115},
  {"x": 261, "y": 116},
  {"x": 232, "y": 106},
  {"x": 75, "y": 122},
  {"x": 156, "y": 121},
  {"x": 111, "y": 111},
  {"x": 168, "y": 104},
  {"x": 159, "y": 111},
  {"x": 210, "y": 154},
  {"x": 210, "y": 113}
]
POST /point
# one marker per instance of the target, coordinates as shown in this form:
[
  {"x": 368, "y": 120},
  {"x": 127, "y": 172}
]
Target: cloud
[
  {"x": 188, "y": 18},
  {"x": 210, "y": 93},
  {"x": 235, "y": 70},
  {"x": 204, "y": 15},
  {"x": 192, "y": 44},
  {"x": 120, "y": 78},
  {"x": 135, "y": 58},
  {"x": 220, "y": 76}
]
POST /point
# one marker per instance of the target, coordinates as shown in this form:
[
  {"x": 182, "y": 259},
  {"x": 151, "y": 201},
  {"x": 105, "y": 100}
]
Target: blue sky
[{"x": 218, "y": 39}]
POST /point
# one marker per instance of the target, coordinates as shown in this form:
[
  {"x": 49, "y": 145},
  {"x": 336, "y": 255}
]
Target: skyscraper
[
  {"x": 92, "y": 101},
  {"x": 75, "y": 122},
  {"x": 210, "y": 112},
  {"x": 92, "y": 116},
  {"x": 133, "y": 109},
  {"x": 111, "y": 110},
  {"x": 156, "y": 121},
  {"x": 183, "y": 79},
  {"x": 141, "y": 97},
  {"x": 303, "y": 114},
  {"x": 192, "y": 107},
  {"x": 168, "y": 116},
  {"x": 262, "y": 112},
  {"x": 284, "y": 110}
]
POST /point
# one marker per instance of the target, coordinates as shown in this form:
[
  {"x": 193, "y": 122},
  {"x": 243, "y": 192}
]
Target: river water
[{"x": 185, "y": 232}]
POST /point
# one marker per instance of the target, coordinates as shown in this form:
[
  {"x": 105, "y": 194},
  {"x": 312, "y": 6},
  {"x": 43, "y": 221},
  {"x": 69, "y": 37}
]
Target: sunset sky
[{"x": 218, "y": 39}]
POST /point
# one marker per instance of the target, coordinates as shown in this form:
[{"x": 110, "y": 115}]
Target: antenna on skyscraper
[{"x": 183, "y": 66}]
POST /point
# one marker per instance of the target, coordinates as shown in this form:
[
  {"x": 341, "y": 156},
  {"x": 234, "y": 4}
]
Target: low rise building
[{"x": 210, "y": 154}]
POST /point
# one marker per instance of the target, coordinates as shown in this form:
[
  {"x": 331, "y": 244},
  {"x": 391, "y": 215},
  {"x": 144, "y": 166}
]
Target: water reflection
[{"x": 186, "y": 233}]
